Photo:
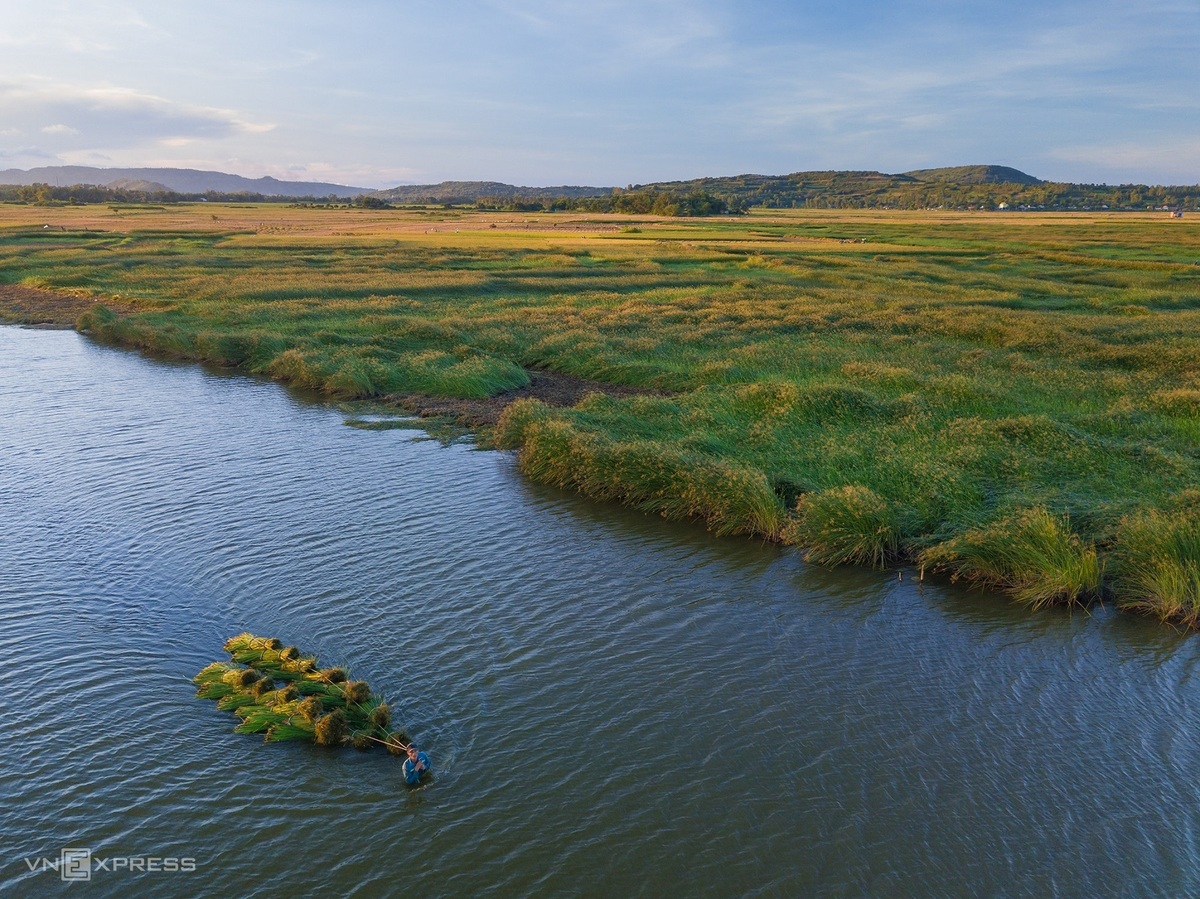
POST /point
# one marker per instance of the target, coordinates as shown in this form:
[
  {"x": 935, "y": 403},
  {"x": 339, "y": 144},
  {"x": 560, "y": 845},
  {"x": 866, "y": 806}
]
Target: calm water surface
[{"x": 615, "y": 705}]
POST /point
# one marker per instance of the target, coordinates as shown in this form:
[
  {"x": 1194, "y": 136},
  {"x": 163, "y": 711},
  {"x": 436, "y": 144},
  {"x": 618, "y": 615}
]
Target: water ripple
[{"x": 615, "y": 704}]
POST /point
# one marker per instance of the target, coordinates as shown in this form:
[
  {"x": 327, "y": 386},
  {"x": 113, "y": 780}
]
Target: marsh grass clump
[
  {"x": 294, "y": 668},
  {"x": 331, "y": 729},
  {"x": 1032, "y": 555},
  {"x": 311, "y": 708},
  {"x": 292, "y": 730},
  {"x": 381, "y": 716},
  {"x": 214, "y": 690},
  {"x": 357, "y": 692},
  {"x": 258, "y": 719},
  {"x": 668, "y": 478},
  {"x": 839, "y": 402},
  {"x": 1178, "y": 401},
  {"x": 214, "y": 671},
  {"x": 244, "y": 641},
  {"x": 287, "y": 694},
  {"x": 96, "y": 320},
  {"x": 276, "y": 691},
  {"x": 845, "y": 525},
  {"x": 235, "y": 701},
  {"x": 1158, "y": 565}
]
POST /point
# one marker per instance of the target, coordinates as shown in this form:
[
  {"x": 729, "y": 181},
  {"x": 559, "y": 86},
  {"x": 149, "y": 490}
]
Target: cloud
[
  {"x": 80, "y": 117},
  {"x": 606, "y": 91},
  {"x": 22, "y": 153},
  {"x": 355, "y": 175}
]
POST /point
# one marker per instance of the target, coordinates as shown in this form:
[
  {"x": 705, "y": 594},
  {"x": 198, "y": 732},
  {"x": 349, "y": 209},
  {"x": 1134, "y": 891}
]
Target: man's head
[{"x": 412, "y": 753}]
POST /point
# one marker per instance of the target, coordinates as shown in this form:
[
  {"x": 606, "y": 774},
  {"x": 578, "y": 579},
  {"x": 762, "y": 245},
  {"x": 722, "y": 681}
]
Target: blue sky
[{"x": 603, "y": 92}]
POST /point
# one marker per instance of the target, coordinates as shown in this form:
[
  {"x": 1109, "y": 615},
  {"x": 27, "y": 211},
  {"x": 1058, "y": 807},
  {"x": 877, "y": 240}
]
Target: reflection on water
[{"x": 615, "y": 704}]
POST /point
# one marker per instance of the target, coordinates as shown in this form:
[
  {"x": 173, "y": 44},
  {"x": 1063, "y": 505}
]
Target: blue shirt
[{"x": 411, "y": 774}]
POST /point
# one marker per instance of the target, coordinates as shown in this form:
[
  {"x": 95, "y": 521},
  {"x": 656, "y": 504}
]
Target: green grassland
[{"x": 1013, "y": 399}]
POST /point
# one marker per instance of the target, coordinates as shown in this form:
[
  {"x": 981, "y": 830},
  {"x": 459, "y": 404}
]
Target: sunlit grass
[
  {"x": 1006, "y": 396},
  {"x": 1033, "y": 555},
  {"x": 1158, "y": 557},
  {"x": 845, "y": 525}
]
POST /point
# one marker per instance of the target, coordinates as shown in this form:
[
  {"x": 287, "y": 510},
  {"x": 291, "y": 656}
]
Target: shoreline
[
  {"x": 553, "y": 389},
  {"x": 998, "y": 419},
  {"x": 40, "y": 308},
  {"x": 550, "y": 391},
  {"x": 37, "y": 307}
]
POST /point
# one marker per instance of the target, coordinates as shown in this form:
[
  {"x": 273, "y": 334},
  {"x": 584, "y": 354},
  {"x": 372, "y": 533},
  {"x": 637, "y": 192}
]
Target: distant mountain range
[
  {"x": 955, "y": 187},
  {"x": 195, "y": 181},
  {"x": 184, "y": 181},
  {"x": 739, "y": 185}
]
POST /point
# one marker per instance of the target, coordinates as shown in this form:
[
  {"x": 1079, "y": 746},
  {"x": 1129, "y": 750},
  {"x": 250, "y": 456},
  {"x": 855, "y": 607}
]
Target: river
[{"x": 614, "y": 704}]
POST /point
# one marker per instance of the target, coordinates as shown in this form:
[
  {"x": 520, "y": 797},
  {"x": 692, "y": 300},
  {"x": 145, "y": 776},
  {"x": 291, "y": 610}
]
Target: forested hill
[
  {"x": 960, "y": 187},
  {"x": 474, "y": 191},
  {"x": 975, "y": 174},
  {"x": 957, "y": 187}
]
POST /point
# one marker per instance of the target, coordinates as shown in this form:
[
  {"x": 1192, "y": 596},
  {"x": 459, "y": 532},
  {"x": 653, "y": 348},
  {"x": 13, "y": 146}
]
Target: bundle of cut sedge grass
[{"x": 277, "y": 691}]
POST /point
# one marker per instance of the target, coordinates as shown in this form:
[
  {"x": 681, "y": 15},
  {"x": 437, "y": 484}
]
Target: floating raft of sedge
[{"x": 280, "y": 693}]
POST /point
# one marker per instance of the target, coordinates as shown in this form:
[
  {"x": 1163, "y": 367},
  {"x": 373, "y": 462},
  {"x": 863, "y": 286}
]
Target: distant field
[{"x": 1012, "y": 398}]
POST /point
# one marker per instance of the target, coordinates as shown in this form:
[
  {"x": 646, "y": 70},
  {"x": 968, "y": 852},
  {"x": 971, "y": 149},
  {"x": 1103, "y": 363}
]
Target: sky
[{"x": 603, "y": 92}]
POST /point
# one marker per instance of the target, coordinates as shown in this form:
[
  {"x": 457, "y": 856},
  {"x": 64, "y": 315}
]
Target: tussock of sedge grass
[
  {"x": 845, "y": 525},
  {"x": 1031, "y": 555},
  {"x": 1158, "y": 565},
  {"x": 652, "y": 475}
]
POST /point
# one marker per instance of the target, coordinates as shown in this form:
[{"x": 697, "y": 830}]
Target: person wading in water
[{"x": 415, "y": 765}]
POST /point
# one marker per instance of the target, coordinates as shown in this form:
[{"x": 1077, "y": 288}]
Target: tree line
[
  {"x": 704, "y": 196},
  {"x": 639, "y": 202},
  {"x": 633, "y": 202},
  {"x": 875, "y": 190},
  {"x": 80, "y": 194}
]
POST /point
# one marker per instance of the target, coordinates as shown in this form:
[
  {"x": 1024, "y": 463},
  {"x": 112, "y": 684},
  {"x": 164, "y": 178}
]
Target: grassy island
[{"x": 1009, "y": 398}]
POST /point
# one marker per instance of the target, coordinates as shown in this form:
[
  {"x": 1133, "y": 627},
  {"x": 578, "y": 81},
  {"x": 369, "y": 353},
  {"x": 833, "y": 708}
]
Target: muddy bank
[
  {"x": 49, "y": 308},
  {"x": 552, "y": 388}
]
